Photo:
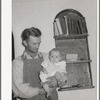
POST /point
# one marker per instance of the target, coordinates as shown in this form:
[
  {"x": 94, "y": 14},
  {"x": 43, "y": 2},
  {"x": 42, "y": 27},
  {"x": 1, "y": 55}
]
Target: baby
[{"x": 54, "y": 66}]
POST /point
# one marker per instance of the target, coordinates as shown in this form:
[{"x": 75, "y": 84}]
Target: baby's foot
[
  {"x": 48, "y": 94},
  {"x": 62, "y": 83}
]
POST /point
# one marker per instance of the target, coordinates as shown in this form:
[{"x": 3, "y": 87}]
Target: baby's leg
[
  {"x": 58, "y": 76},
  {"x": 61, "y": 78},
  {"x": 64, "y": 77},
  {"x": 47, "y": 89}
]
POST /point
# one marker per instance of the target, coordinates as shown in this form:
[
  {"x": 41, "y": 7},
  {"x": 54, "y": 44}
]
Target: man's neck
[{"x": 31, "y": 54}]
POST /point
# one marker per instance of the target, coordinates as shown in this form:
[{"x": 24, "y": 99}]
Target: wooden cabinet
[{"x": 72, "y": 41}]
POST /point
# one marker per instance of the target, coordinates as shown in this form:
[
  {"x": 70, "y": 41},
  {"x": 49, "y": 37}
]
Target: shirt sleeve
[{"x": 25, "y": 90}]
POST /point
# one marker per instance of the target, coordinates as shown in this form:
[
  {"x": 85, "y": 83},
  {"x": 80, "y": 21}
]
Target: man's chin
[{"x": 35, "y": 52}]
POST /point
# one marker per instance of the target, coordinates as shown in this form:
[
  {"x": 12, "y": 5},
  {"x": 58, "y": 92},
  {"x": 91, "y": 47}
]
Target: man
[{"x": 26, "y": 68}]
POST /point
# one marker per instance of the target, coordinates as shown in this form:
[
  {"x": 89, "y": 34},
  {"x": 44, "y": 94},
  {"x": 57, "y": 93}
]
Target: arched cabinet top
[{"x": 69, "y": 13}]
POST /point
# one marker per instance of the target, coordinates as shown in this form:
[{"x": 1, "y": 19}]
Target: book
[
  {"x": 75, "y": 26},
  {"x": 81, "y": 27},
  {"x": 72, "y": 26},
  {"x": 69, "y": 26},
  {"x": 59, "y": 26},
  {"x": 66, "y": 23},
  {"x": 63, "y": 25},
  {"x": 84, "y": 25},
  {"x": 56, "y": 32},
  {"x": 78, "y": 28}
]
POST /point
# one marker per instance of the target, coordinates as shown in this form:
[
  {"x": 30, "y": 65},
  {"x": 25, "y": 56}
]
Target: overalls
[{"x": 31, "y": 70}]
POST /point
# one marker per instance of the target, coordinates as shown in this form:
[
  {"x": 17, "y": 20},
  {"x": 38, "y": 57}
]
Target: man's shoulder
[
  {"x": 18, "y": 59},
  {"x": 17, "y": 63}
]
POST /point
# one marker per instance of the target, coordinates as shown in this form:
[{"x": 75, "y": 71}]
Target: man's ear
[
  {"x": 60, "y": 58},
  {"x": 24, "y": 43}
]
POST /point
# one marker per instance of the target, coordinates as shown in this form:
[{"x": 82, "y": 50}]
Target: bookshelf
[{"x": 71, "y": 38}]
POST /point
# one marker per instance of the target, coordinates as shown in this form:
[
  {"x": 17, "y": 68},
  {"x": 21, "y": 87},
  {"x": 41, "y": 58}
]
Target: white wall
[{"x": 41, "y": 14}]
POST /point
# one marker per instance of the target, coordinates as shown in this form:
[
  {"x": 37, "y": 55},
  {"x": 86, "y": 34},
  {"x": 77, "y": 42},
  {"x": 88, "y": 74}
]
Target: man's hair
[{"x": 30, "y": 32}]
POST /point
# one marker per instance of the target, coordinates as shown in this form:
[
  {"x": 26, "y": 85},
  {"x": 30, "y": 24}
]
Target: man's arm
[{"x": 24, "y": 89}]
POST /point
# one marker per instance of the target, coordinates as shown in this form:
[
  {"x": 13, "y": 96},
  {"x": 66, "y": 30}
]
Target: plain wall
[{"x": 41, "y": 14}]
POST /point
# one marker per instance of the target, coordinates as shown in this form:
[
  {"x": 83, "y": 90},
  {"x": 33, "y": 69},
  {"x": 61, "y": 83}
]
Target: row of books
[{"x": 70, "y": 26}]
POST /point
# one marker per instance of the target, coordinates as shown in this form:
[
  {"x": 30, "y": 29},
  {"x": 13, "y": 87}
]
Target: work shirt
[{"x": 25, "y": 78}]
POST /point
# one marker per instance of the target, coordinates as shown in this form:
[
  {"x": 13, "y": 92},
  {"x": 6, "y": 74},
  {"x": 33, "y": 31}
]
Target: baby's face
[{"x": 55, "y": 57}]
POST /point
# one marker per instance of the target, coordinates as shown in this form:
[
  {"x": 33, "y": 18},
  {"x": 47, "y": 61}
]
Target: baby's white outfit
[{"x": 52, "y": 69}]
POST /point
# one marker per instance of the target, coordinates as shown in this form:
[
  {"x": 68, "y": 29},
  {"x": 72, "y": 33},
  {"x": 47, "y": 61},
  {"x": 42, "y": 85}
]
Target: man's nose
[{"x": 37, "y": 45}]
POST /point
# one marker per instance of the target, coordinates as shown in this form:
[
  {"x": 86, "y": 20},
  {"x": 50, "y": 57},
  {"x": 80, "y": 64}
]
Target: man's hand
[
  {"x": 52, "y": 81},
  {"x": 41, "y": 91},
  {"x": 44, "y": 71}
]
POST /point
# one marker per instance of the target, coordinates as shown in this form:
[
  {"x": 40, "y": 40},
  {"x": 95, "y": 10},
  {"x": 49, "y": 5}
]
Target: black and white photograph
[{"x": 54, "y": 50}]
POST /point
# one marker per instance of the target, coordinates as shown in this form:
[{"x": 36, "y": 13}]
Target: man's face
[{"x": 33, "y": 43}]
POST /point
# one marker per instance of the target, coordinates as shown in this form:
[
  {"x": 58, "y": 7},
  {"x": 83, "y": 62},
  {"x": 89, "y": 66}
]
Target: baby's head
[{"x": 55, "y": 55}]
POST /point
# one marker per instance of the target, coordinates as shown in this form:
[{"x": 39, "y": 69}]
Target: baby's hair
[{"x": 55, "y": 50}]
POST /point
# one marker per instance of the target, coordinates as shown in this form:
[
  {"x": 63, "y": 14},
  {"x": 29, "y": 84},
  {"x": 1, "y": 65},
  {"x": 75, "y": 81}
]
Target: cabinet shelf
[
  {"x": 78, "y": 61},
  {"x": 75, "y": 88},
  {"x": 77, "y": 36}
]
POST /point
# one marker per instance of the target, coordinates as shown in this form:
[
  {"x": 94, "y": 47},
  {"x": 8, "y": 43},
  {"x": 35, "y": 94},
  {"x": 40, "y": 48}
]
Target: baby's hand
[
  {"x": 44, "y": 71},
  {"x": 62, "y": 83}
]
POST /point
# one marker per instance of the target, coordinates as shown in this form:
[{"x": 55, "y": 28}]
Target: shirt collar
[{"x": 27, "y": 56}]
